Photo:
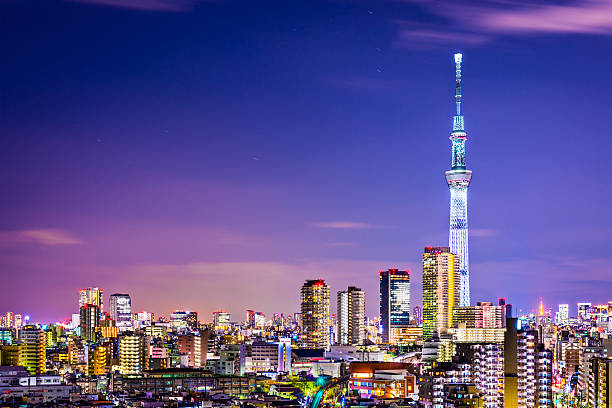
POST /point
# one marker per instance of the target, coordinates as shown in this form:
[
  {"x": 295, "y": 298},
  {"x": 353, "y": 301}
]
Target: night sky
[{"x": 205, "y": 155}]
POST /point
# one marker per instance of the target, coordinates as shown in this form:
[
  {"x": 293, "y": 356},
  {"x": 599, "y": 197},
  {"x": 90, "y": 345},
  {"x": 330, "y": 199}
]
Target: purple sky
[{"x": 206, "y": 155}]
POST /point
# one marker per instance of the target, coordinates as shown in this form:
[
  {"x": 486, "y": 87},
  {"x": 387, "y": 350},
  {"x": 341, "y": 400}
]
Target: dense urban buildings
[{"x": 447, "y": 353}]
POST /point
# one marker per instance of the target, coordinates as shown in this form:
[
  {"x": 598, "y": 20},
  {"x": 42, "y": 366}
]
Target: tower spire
[
  {"x": 458, "y": 122},
  {"x": 458, "y": 180}
]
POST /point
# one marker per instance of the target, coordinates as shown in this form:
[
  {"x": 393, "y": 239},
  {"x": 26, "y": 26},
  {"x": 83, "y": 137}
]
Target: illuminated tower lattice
[{"x": 458, "y": 179}]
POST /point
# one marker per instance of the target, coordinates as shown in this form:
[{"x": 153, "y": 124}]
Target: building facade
[
  {"x": 394, "y": 301},
  {"x": 351, "y": 316},
  {"x": 314, "y": 303},
  {"x": 441, "y": 290},
  {"x": 121, "y": 310}
]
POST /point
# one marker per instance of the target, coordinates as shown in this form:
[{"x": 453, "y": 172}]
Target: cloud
[
  {"x": 422, "y": 38},
  {"x": 483, "y": 232},
  {"x": 344, "y": 225},
  {"x": 586, "y": 17},
  {"x": 47, "y": 236},
  {"x": 480, "y": 21},
  {"x": 147, "y": 5}
]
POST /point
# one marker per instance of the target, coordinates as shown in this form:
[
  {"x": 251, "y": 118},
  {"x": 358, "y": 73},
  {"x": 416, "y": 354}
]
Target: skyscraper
[
  {"x": 458, "y": 180},
  {"x": 121, "y": 310},
  {"x": 315, "y": 314},
  {"x": 441, "y": 290},
  {"x": 91, "y": 296},
  {"x": 351, "y": 316},
  {"x": 394, "y": 302},
  {"x": 89, "y": 322}
]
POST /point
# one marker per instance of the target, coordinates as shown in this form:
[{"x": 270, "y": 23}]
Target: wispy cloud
[
  {"x": 148, "y": 5},
  {"x": 483, "y": 232},
  {"x": 345, "y": 225},
  {"x": 421, "y": 38},
  {"x": 586, "y": 17},
  {"x": 46, "y": 236},
  {"x": 480, "y": 21}
]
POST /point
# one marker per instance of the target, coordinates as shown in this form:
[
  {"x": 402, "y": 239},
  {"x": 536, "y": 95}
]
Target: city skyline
[{"x": 315, "y": 153}]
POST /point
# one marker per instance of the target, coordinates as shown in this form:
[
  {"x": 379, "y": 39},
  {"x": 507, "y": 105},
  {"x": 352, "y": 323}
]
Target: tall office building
[
  {"x": 91, "y": 296},
  {"x": 563, "y": 313},
  {"x": 32, "y": 349},
  {"x": 351, "y": 316},
  {"x": 458, "y": 180},
  {"x": 315, "y": 314},
  {"x": 221, "y": 319},
  {"x": 89, "y": 322},
  {"x": 441, "y": 290},
  {"x": 121, "y": 310},
  {"x": 394, "y": 302}
]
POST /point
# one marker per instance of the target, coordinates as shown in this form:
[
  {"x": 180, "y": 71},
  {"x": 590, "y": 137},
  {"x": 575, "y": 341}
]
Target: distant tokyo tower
[{"x": 458, "y": 179}]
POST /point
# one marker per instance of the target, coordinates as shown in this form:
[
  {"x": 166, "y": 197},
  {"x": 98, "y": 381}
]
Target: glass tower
[
  {"x": 458, "y": 180},
  {"x": 394, "y": 300}
]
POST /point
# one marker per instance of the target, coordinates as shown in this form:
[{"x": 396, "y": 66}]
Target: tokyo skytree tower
[{"x": 458, "y": 179}]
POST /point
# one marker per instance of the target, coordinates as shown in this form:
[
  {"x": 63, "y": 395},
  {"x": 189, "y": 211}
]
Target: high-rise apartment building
[
  {"x": 533, "y": 370},
  {"x": 89, "y": 321},
  {"x": 488, "y": 373},
  {"x": 91, "y": 296},
  {"x": 121, "y": 310},
  {"x": 195, "y": 347},
  {"x": 394, "y": 302},
  {"x": 131, "y": 353},
  {"x": 600, "y": 383},
  {"x": 351, "y": 316},
  {"x": 458, "y": 180},
  {"x": 32, "y": 351},
  {"x": 315, "y": 314},
  {"x": 441, "y": 290}
]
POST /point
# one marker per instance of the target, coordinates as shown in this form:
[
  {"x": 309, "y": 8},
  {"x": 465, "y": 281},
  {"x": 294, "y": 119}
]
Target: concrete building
[
  {"x": 441, "y": 290},
  {"x": 131, "y": 353},
  {"x": 351, "y": 316},
  {"x": 89, "y": 321},
  {"x": 32, "y": 351},
  {"x": 314, "y": 302},
  {"x": 195, "y": 347}
]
